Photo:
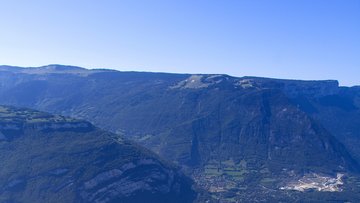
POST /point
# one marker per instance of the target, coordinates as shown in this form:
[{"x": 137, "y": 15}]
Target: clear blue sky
[{"x": 300, "y": 39}]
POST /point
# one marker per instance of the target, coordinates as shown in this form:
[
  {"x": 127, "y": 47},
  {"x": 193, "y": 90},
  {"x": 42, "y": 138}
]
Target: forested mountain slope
[{"x": 48, "y": 158}]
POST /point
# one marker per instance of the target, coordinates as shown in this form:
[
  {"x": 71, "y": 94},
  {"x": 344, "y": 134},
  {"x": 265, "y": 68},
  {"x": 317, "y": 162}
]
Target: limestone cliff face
[
  {"x": 49, "y": 158},
  {"x": 294, "y": 88}
]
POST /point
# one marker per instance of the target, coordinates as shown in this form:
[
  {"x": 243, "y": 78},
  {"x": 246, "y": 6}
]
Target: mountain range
[{"x": 239, "y": 138}]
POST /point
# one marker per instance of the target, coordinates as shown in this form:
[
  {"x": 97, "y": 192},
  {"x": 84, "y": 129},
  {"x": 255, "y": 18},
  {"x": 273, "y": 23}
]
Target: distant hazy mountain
[
  {"x": 48, "y": 158},
  {"x": 240, "y": 138}
]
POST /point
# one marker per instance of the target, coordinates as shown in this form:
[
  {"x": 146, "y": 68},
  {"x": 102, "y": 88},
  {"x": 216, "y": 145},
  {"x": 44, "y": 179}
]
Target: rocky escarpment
[
  {"x": 129, "y": 182},
  {"x": 49, "y": 158},
  {"x": 294, "y": 88}
]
